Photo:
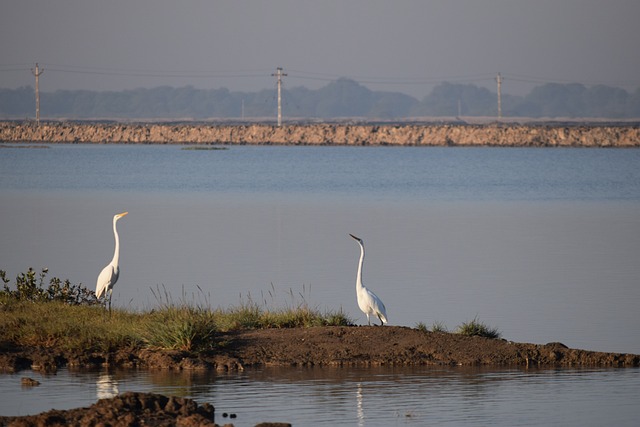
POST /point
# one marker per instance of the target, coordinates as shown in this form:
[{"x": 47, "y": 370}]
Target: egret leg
[{"x": 381, "y": 322}]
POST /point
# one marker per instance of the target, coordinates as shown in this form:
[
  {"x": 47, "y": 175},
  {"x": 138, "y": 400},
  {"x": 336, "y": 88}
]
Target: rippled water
[{"x": 356, "y": 396}]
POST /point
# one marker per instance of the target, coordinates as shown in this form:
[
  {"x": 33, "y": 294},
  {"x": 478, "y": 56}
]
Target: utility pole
[
  {"x": 279, "y": 74},
  {"x": 499, "y": 80},
  {"x": 37, "y": 73}
]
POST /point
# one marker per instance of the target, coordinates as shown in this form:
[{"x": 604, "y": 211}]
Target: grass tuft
[
  {"x": 438, "y": 327},
  {"x": 475, "y": 328},
  {"x": 179, "y": 327}
]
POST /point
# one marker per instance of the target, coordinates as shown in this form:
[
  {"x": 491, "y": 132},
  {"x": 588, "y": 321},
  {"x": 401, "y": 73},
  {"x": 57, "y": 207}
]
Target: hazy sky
[{"x": 406, "y": 46}]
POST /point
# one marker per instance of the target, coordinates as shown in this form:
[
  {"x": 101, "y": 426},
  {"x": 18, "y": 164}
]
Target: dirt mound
[
  {"x": 332, "y": 345},
  {"x": 395, "y": 345},
  {"x": 128, "y": 409}
]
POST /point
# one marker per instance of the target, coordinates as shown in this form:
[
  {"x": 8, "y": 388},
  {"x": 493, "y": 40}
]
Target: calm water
[
  {"x": 541, "y": 243},
  {"x": 359, "y": 397},
  {"x": 381, "y": 174}
]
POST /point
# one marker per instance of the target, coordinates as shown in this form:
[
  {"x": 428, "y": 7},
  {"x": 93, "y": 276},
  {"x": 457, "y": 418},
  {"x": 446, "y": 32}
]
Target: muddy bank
[
  {"x": 508, "y": 135},
  {"x": 324, "y": 346},
  {"x": 318, "y": 346},
  {"x": 129, "y": 409}
]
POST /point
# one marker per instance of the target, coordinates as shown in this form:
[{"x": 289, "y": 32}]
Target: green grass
[
  {"x": 422, "y": 327},
  {"x": 472, "y": 328},
  {"x": 475, "y": 328},
  {"x": 439, "y": 327},
  {"x": 177, "y": 327},
  {"x": 60, "y": 325},
  {"x": 34, "y": 314},
  {"x": 436, "y": 327}
]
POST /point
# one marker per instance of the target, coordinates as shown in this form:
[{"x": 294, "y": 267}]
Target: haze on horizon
[{"x": 402, "y": 46}]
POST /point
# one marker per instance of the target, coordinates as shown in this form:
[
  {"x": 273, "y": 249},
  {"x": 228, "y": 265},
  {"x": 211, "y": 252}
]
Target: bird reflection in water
[
  {"x": 106, "y": 386},
  {"x": 360, "y": 409}
]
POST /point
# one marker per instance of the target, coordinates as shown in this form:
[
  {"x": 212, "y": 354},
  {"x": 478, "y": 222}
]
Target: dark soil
[
  {"x": 128, "y": 409},
  {"x": 323, "y": 346},
  {"x": 125, "y": 410}
]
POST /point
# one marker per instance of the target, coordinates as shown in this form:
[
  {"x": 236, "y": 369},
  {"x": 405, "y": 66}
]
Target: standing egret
[
  {"x": 368, "y": 302},
  {"x": 109, "y": 275}
]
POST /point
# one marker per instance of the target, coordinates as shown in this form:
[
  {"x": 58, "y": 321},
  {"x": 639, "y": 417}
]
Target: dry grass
[{"x": 180, "y": 325}]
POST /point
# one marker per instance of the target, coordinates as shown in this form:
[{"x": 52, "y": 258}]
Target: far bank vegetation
[{"x": 342, "y": 98}]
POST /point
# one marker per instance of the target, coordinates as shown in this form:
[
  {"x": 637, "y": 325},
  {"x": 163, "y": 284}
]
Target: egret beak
[
  {"x": 357, "y": 238},
  {"x": 122, "y": 214}
]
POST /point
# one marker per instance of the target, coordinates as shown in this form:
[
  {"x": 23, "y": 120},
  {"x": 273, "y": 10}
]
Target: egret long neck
[
  {"x": 359, "y": 276},
  {"x": 116, "y": 252}
]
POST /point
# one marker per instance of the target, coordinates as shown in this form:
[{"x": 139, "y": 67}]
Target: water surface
[{"x": 362, "y": 397}]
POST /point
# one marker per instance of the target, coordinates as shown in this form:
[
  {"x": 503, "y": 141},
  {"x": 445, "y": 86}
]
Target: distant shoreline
[{"x": 494, "y": 134}]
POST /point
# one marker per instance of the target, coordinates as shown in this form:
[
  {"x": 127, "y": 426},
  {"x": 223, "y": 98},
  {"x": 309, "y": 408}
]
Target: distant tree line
[{"x": 338, "y": 99}]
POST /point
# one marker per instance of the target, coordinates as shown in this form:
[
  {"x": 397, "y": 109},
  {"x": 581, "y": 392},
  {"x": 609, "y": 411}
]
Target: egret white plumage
[
  {"x": 368, "y": 302},
  {"x": 109, "y": 275}
]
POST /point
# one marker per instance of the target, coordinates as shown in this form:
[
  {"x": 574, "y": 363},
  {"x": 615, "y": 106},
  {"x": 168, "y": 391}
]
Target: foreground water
[
  {"x": 356, "y": 396},
  {"x": 541, "y": 243}
]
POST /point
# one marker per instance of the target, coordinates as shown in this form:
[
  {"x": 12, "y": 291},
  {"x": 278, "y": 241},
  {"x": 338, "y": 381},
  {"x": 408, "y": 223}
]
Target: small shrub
[
  {"x": 28, "y": 287},
  {"x": 475, "y": 328}
]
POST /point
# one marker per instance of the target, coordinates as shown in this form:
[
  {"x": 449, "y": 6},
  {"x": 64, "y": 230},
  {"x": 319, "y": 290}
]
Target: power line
[
  {"x": 201, "y": 75},
  {"x": 14, "y": 67},
  {"x": 545, "y": 80},
  {"x": 155, "y": 73},
  {"x": 305, "y": 75}
]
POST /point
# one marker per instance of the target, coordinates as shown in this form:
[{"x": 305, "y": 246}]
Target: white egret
[
  {"x": 368, "y": 302},
  {"x": 109, "y": 275}
]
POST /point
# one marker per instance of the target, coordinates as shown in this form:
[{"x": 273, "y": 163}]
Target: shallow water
[{"x": 356, "y": 396}]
